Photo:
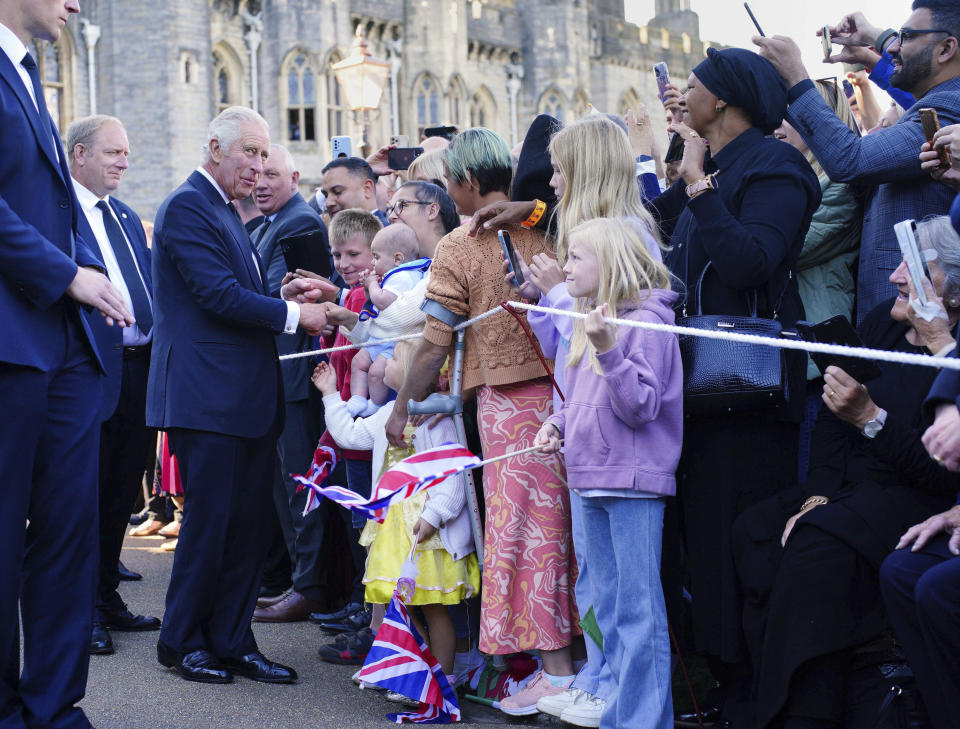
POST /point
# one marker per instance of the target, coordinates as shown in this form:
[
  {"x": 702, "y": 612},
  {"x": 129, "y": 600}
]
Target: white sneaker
[
  {"x": 554, "y": 705},
  {"x": 366, "y": 684},
  {"x": 401, "y": 699},
  {"x": 584, "y": 712}
]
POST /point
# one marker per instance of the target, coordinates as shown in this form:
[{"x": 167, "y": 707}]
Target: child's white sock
[
  {"x": 356, "y": 405},
  {"x": 559, "y": 681},
  {"x": 370, "y": 407}
]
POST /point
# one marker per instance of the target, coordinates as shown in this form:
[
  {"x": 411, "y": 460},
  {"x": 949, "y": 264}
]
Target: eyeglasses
[
  {"x": 398, "y": 207},
  {"x": 906, "y": 34}
]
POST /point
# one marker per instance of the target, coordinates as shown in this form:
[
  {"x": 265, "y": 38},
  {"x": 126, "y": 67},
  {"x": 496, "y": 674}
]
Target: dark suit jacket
[
  {"x": 110, "y": 338},
  {"x": 39, "y": 246},
  {"x": 294, "y": 218},
  {"x": 214, "y": 362}
]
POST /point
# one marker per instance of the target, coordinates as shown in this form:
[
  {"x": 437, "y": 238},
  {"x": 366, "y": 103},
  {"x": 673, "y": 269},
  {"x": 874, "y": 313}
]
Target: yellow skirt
[{"x": 441, "y": 580}]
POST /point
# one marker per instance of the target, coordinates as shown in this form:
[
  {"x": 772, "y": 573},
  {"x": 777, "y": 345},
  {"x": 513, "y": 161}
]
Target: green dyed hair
[{"x": 485, "y": 155}]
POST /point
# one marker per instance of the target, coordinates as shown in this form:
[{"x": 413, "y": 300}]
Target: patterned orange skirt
[{"x": 528, "y": 568}]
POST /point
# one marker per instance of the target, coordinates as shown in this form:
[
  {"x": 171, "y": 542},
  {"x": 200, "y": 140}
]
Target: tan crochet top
[{"x": 466, "y": 279}]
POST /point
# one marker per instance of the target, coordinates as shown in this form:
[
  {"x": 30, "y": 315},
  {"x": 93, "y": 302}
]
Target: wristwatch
[
  {"x": 700, "y": 186},
  {"x": 872, "y": 427}
]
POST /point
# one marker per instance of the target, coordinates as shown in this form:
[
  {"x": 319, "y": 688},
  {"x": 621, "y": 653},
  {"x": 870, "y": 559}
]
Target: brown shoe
[
  {"x": 290, "y": 609},
  {"x": 147, "y": 529},
  {"x": 263, "y": 602},
  {"x": 171, "y": 530}
]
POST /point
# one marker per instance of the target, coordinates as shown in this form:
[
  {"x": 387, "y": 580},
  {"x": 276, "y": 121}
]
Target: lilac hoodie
[{"x": 623, "y": 429}]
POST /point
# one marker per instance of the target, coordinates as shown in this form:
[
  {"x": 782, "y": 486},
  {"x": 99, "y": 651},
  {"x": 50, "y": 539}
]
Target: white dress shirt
[
  {"x": 293, "y": 308},
  {"x": 11, "y": 45},
  {"x": 132, "y": 336}
]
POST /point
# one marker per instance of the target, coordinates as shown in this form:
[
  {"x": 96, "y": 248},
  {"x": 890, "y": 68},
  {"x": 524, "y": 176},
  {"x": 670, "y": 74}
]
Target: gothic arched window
[
  {"x": 552, "y": 103},
  {"x": 427, "y": 98},
  {"x": 301, "y": 100},
  {"x": 336, "y": 107}
]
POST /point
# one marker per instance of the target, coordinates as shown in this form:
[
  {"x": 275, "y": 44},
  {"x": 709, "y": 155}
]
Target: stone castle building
[{"x": 165, "y": 68}]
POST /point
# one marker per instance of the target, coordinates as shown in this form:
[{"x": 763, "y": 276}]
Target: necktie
[
  {"x": 128, "y": 269},
  {"x": 45, "y": 124},
  {"x": 263, "y": 232}
]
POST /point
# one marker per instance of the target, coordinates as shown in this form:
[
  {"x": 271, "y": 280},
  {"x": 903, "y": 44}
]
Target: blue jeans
[
  {"x": 624, "y": 541},
  {"x": 594, "y": 677}
]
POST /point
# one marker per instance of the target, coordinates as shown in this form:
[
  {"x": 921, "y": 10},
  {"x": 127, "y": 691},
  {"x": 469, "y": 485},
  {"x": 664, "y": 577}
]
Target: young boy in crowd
[
  {"x": 351, "y": 235},
  {"x": 397, "y": 267}
]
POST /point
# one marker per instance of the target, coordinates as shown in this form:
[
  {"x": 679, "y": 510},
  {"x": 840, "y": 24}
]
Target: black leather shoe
[
  {"x": 127, "y": 575},
  {"x": 710, "y": 715},
  {"x": 349, "y": 609},
  {"x": 349, "y": 624},
  {"x": 101, "y": 644},
  {"x": 127, "y": 621},
  {"x": 258, "y": 667},
  {"x": 197, "y": 666}
]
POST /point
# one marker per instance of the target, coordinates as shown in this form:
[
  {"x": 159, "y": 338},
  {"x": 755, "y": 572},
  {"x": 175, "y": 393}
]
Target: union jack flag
[
  {"x": 324, "y": 461},
  {"x": 400, "y": 661},
  {"x": 408, "y": 477}
]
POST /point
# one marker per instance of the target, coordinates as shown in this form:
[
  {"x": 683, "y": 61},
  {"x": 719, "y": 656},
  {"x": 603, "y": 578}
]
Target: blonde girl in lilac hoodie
[{"x": 622, "y": 424}]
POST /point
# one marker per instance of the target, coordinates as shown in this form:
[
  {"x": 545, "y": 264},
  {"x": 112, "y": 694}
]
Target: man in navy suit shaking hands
[
  {"x": 215, "y": 387},
  {"x": 50, "y": 394}
]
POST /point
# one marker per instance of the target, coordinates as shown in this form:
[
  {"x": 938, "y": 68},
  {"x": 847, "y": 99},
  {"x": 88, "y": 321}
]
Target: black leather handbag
[{"x": 720, "y": 375}]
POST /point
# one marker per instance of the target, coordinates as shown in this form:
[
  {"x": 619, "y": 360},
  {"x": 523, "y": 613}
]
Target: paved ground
[{"x": 130, "y": 690}]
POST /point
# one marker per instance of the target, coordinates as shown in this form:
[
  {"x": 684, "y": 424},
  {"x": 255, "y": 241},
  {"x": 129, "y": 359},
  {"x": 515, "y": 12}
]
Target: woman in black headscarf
[{"x": 744, "y": 213}]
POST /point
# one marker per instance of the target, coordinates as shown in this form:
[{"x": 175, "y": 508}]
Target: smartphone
[
  {"x": 399, "y": 140},
  {"x": 511, "y": 255},
  {"x": 674, "y": 149},
  {"x": 931, "y": 125},
  {"x": 340, "y": 147},
  {"x": 848, "y": 89},
  {"x": 663, "y": 78},
  {"x": 906, "y": 231},
  {"x": 447, "y": 132},
  {"x": 838, "y": 330},
  {"x": 400, "y": 158},
  {"x": 754, "y": 19},
  {"x": 827, "y": 43}
]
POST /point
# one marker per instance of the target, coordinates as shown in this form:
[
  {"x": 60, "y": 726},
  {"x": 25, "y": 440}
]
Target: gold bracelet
[
  {"x": 539, "y": 209},
  {"x": 814, "y": 501}
]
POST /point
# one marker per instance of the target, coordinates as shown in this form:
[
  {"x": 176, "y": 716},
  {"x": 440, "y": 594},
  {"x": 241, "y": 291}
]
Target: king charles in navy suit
[
  {"x": 97, "y": 148},
  {"x": 215, "y": 387},
  {"x": 49, "y": 395}
]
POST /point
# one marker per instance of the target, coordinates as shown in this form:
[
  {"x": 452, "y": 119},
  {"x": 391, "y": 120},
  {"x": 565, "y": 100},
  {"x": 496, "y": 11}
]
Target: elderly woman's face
[
  {"x": 901, "y": 279},
  {"x": 701, "y": 105}
]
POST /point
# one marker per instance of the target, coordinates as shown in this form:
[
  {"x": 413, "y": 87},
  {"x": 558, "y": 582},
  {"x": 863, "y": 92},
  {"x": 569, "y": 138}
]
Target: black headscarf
[
  {"x": 748, "y": 81},
  {"x": 531, "y": 181}
]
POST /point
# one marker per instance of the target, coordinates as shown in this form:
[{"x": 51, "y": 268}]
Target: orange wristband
[{"x": 539, "y": 209}]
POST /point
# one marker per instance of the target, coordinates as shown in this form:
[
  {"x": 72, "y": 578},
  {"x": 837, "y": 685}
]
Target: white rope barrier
[{"x": 922, "y": 360}]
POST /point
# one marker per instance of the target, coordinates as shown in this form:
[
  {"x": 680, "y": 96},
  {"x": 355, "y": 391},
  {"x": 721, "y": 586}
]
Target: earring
[
  {"x": 718, "y": 108},
  {"x": 953, "y": 303}
]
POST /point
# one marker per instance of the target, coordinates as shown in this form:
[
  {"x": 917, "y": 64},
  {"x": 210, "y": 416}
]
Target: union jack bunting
[
  {"x": 400, "y": 661},
  {"x": 408, "y": 477}
]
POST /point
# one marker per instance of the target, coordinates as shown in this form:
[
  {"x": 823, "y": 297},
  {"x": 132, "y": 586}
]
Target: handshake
[{"x": 313, "y": 293}]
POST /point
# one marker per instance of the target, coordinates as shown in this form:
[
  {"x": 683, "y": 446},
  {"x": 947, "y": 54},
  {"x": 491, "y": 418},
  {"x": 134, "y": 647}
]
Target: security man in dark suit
[
  {"x": 49, "y": 395},
  {"x": 287, "y": 214},
  {"x": 98, "y": 151},
  {"x": 215, "y": 387}
]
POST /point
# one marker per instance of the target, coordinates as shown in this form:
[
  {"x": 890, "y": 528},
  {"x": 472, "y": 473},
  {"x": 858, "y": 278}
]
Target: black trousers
[
  {"x": 303, "y": 534},
  {"x": 49, "y": 440},
  {"x": 125, "y": 443},
  {"x": 227, "y": 485},
  {"x": 921, "y": 591}
]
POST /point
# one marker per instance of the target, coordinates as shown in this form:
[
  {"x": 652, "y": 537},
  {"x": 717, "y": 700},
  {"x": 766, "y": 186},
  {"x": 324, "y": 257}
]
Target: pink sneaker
[{"x": 524, "y": 702}]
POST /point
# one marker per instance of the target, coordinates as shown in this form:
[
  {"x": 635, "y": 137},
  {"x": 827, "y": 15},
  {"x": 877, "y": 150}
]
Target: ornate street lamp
[{"x": 362, "y": 78}]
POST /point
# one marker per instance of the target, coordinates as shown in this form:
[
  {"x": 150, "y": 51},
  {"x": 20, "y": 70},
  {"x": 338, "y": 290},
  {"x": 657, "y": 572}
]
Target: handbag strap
[{"x": 752, "y": 305}]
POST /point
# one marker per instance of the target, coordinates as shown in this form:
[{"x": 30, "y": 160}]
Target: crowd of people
[{"x": 807, "y": 548}]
